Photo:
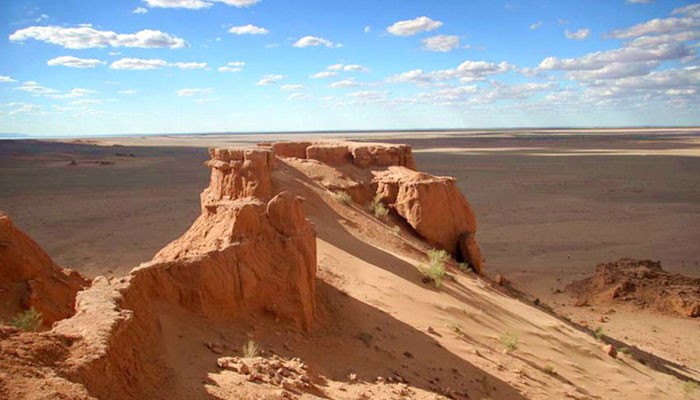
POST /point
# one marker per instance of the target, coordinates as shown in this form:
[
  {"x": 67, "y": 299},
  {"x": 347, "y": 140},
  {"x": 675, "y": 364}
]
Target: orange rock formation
[{"x": 29, "y": 278}]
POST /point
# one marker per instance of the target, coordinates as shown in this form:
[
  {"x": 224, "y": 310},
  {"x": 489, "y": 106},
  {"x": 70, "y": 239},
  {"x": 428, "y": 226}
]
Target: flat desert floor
[{"x": 550, "y": 206}]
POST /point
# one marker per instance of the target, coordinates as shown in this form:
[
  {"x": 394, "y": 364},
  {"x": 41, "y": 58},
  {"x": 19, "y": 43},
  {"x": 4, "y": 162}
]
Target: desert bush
[
  {"x": 464, "y": 267},
  {"x": 342, "y": 197},
  {"x": 437, "y": 256},
  {"x": 378, "y": 208},
  {"x": 28, "y": 321},
  {"x": 435, "y": 272},
  {"x": 455, "y": 327},
  {"x": 250, "y": 349},
  {"x": 366, "y": 337},
  {"x": 689, "y": 387},
  {"x": 549, "y": 369},
  {"x": 598, "y": 333},
  {"x": 509, "y": 341}
]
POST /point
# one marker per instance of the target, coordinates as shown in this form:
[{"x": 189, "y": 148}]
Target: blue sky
[{"x": 108, "y": 67}]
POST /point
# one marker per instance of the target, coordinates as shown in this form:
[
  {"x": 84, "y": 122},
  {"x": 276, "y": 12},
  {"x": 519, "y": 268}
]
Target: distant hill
[{"x": 13, "y": 136}]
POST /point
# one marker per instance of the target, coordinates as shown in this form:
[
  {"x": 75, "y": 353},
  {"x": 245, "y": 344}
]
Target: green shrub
[
  {"x": 437, "y": 256},
  {"x": 366, "y": 337},
  {"x": 435, "y": 272},
  {"x": 598, "y": 333},
  {"x": 250, "y": 349},
  {"x": 509, "y": 341},
  {"x": 549, "y": 369},
  {"x": 455, "y": 327},
  {"x": 28, "y": 321},
  {"x": 378, "y": 208},
  {"x": 689, "y": 387},
  {"x": 464, "y": 267},
  {"x": 342, "y": 197}
]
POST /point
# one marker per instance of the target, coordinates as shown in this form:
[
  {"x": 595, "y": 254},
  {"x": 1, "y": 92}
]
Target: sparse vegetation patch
[
  {"x": 250, "y": 349},
  {"x": 366, "y": 337},
  {"x": 509, "y": 341},
  {"x": 28, "y": 321},
  {"x": 342, "y": 198},
  {"x": 378, "y": 208}
]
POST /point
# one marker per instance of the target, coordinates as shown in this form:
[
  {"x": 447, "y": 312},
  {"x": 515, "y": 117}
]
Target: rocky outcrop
[
  {"x": 30, "y": 279},
  {"x": 338, "y": 153},
  {"x": 434, "y": 207},
  {"x": 238, "y": 172},
  {"x": 642, "y": 283}
]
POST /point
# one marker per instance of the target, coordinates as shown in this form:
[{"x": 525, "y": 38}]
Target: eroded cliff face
[
  {"x": 434, "y": 207},
  {"x": 30, "y": 279}
]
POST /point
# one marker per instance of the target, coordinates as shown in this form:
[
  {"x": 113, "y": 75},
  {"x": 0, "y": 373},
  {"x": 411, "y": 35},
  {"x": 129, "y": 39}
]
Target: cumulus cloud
[
  {"x": 692, "y": 10},
  {"x": 267, "y": 80},
  {"x": 323, "y": 74},
  {"x": 656, "y": 26},
  {"x": 536, "y": 25},
  {"x": 600, "y": 59},
  {"x": 139, "y": 10},
  {"x": 6, "y": 79},
  {"x": 615, "y": 70},
  {"x": 147, "y": 64},
  {"x": 74, "y": 62},
  {"x": 24, "y": 108},
  {"x": 127, "y": 92},
  {"x": 441, "y": 43},
  {"x": 85, "y": 37},
  {"x": 138, "y": 64},
  {"x": 299, "y": 96},
  {"x": 77, "y": 92},
  {"x": 189, "y": 65},
  {"x": 34, "y": 88},
  {"x": 347, "y": 67},
  {"x": 411, "y": 27},
  {"x": 580, "y": 34},
  {"x": 194, "y": 92},
  {"x": 307, "y": 41},
  {"x": 248, "y": 30},
  {"x": 234, "y": 66},
  {"x": 346, "y": 83},
  {"x": 468, "y": 71},
  {"x": 368, "y": 29},
  {"x": 197, "y": 4}
]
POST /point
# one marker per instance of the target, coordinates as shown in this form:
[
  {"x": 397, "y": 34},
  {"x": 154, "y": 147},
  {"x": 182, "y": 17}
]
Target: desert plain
[{"x": 550, "y": 205}]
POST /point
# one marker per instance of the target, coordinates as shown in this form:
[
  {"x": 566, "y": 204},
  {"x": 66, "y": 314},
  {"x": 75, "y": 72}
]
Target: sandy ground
[{"x": 544, "y": 220}]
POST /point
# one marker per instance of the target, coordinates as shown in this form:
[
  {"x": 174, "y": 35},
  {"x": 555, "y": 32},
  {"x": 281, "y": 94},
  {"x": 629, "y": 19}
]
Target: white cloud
[
  {"x": 580, "y": 34},
  {"x": 498, "y": 91},
  {"x": 468, "y": 71},
  {"x": 413, "y": 26},
  {"x": 350, "y": 82},
  {"x": 640, "y": 1},
  {"x": 600, "y": 59},
  {"x": 197, "y": 4},
  {"x": 85, "y": 37},
  {"x": 323, "y": 74},
  {"x": 307, "y": 41},
  {"x": 345, "y": 67},
  {"x": 299, "y": 96},
  {"x": 75, "y": 62},
  {"x": 368, "y": 29},
  {"x": 656, "y": 26},
  {"x": 24, "y": 108},
  {"x": 267, "y": 80},
  {"x": 6, "y": 79},
  {"x": 536, "y": 25},
  {"x": 77, "y": 92},
  {"x": 139, "y": 10},
  {"x": 34, "y": 88},
  {"x": 234, "y": 66},
  {"x": 194, "y": 92},
  {"x": 292, "y": 87},
  {"x": 692, "y": 10},
  {"x": 207, "y": 99},
  {"x": 441, "y": 43},
  {"x": 248, "y": 30},
  {"x": 127, "y": 92},
  {"x": 138, "y": 64},
  {"x": 615, "y": 70},
  {"x": 189, "y": 65}
]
